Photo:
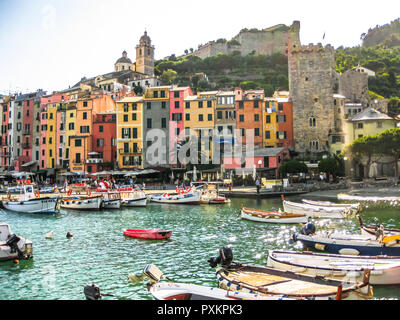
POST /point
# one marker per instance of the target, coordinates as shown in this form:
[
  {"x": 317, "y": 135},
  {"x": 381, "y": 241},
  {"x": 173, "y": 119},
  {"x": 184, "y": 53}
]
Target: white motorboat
[
  {"x": 384, "y": 270},
  {"x": 12, "y": 246},
  {"x": 30, "y": 201},
  {"x": 192, "y": 197},
  {"x": 316, "y": 211},
  {"x": 82, "y": 202},
  {"x": 132, "y": 197},
  {"x": 111, "y": 199},
  {"x": 272, "y": 216}
]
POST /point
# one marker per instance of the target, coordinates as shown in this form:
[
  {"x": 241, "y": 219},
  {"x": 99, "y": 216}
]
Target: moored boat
[
  {"x": 354, "y": 206},
  {"x": 30, "y": 201},
  {"x": 348, "y": 244},
  {"x": 272, "y": 217},
  {"x": 13, "y": 246},
  {"x": 111, "y": 199},
  {"x": 148, "y": 234},
  {"x": 132, "y": 197},
  {"x": 192, "y": 197},
  {"x": 377, "y": 230},
  {"x": 384, "y": 270},
  {"x": 316, "y": 211},
  {"x": 249, "y": 278},
  {"x": 82, "y": 202}
]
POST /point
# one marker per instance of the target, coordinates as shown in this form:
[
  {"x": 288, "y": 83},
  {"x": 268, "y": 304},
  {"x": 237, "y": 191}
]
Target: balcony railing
[
  {"x": 26, "y": 146},
  {"x": 94, "y": 160},
  {"x": 130, "y": 151},
  {"x": 26, "y": 132}
]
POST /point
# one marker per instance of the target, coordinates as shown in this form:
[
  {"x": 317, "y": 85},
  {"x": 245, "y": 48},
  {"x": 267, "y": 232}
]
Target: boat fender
[
  {"x": 37, "y": 193},
  {"x": 88, "y": 192},
  {"x": 69, "y": 192},
  {"x": 308, "y": 229},
  {"x": 349, "y": 251}
]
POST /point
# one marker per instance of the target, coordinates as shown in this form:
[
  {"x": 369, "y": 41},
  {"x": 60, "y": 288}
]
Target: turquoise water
[{"x": 99, "y": 253}]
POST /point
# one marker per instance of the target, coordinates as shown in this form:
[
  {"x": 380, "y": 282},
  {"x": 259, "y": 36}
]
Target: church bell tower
[{"x": 145, "y": 56}]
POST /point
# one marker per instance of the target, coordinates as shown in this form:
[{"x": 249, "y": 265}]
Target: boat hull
[
  {"x": 77, "y": 203},
  {"x": 46, "y": 205},
  {"x": 148, "y": 234},
  {"x": 273, "y": 281},
  {"x": 139, "y": 202},
  {"x": 263, "y": 216},
  {"x": 111, "y": 204},
  {"x": 314, "y": 211},
  {"x": 188, "y": 198},
  {"x": 363, "y": 247},
  {"x": 384, "y": 270}
]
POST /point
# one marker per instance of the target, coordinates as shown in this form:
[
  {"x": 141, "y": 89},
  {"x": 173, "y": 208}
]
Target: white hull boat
[
  {"x": 184, "y": 291},
  {"x": 111, "y": 200},
  {"x": 315, "y": 211},
  {"x": 133, "y": 198},
  {"x": 354, "y": 206},
  {"x": 272, "y": 217},
  {"x": 383, "y": 270},
  {"x": 12, "y": 246},
  {"x": 29, "y": 201},
  {"x": 186, "y": 198},
  {"x": 82, "y": 203}
]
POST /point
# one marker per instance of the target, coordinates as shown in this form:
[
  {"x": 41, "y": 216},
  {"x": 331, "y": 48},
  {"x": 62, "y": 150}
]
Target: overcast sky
[{"x": 51, "y": 44}]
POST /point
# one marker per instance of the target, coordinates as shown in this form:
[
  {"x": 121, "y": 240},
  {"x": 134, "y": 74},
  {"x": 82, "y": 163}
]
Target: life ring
[
  {"x": 188, "y": 189},
  {"x": 166, "y": 195},
  {"x": 37, "y": 193},
  {"x": 69, "y": 192},
  {"x": 88, "y": 192}
]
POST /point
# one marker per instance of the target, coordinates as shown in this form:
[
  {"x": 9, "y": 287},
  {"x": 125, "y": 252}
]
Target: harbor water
[{"x": 100, "y": 253}]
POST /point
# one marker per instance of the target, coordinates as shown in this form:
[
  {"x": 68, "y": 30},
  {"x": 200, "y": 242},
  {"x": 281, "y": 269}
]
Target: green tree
[
  {"x": 329, "y": 166},
  {"x": 292, "y": 167},
  {"x": 168, "y": 76}
]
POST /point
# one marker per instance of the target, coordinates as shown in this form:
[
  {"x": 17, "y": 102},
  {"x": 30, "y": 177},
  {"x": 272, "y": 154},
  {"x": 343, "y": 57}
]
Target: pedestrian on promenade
[{"x": 258, "y": 184}]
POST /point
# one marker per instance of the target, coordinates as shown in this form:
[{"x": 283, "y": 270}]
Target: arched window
[{"x": 312, "y": 122}]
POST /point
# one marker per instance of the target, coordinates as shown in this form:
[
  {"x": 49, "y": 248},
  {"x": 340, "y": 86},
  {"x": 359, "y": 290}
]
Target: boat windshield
[{"x": 28, "y": 189}]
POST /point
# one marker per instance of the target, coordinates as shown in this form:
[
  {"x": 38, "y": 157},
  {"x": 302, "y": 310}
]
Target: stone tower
[
  {"x": 312, "y": 79},
  {"x": 145, "y": 56}
]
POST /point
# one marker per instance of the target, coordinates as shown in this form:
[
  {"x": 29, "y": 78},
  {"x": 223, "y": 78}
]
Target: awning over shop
[{"x": 28, "y": 164}]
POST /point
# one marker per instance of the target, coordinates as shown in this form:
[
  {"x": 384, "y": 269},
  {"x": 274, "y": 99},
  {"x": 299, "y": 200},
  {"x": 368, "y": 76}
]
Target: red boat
[{"x": 148, "y": 234}]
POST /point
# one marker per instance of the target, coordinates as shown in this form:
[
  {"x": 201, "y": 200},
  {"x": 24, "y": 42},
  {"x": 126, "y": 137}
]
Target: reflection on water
[{"x": 99, "y": 253}]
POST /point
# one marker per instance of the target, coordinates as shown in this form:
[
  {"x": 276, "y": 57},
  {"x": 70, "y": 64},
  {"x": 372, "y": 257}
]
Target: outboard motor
[
  {"x": 92, "y": 292},
  {"x": 308, "y": 229},
  {"x": 12, "y": 242},
  {"x": 225, "y": 257}
]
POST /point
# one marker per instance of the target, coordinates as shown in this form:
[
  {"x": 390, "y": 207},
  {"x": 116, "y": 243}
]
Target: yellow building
[
  {"x": 51, "y": 135},
  {"x": 199, "y": 120},
  {"x": 70, "y": 126},
  {"x": 368, "y": 122},
  {"x": 270, "y": 125},
  {"x": 130, "y": 133},
  {"x": 338, "y": 136}
]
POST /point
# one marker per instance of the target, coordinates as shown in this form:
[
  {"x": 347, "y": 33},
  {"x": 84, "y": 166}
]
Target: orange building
[
  {"x": 284, "y": 118},
  {"x": 249, "y": 105},
  {"x": 81, "y": 143}
]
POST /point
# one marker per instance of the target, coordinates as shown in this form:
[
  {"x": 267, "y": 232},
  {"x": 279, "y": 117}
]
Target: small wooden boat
[
  {"x": 272, "y": 217},
  {"x": 148, "y": 234},
  {"x": 354, "y": 206},
  {"x": 30, "y": 201},
  {"x": 211, "y": 194},
  {"x": 132, "y": 197},
  {"x": 185, "y": 198},
  {"x": 315, "y": 211},
  {"x": 370, "y": 230},
  {"x": 348, "y": 244},
  {"x": 13, "y": 246},
  {"x": 249, "y": 278},
  {"x": 82, "y": 202},
  {"x": 384, "y": 270}
]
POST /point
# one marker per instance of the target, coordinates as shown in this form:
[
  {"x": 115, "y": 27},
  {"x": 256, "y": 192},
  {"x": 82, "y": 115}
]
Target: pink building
[
  {"x": 267, "y": 161},
  {"x": 177, "y": 110}
]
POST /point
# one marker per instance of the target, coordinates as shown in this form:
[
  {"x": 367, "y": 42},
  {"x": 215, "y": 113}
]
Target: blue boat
[{"x": 349, "y": 244}]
